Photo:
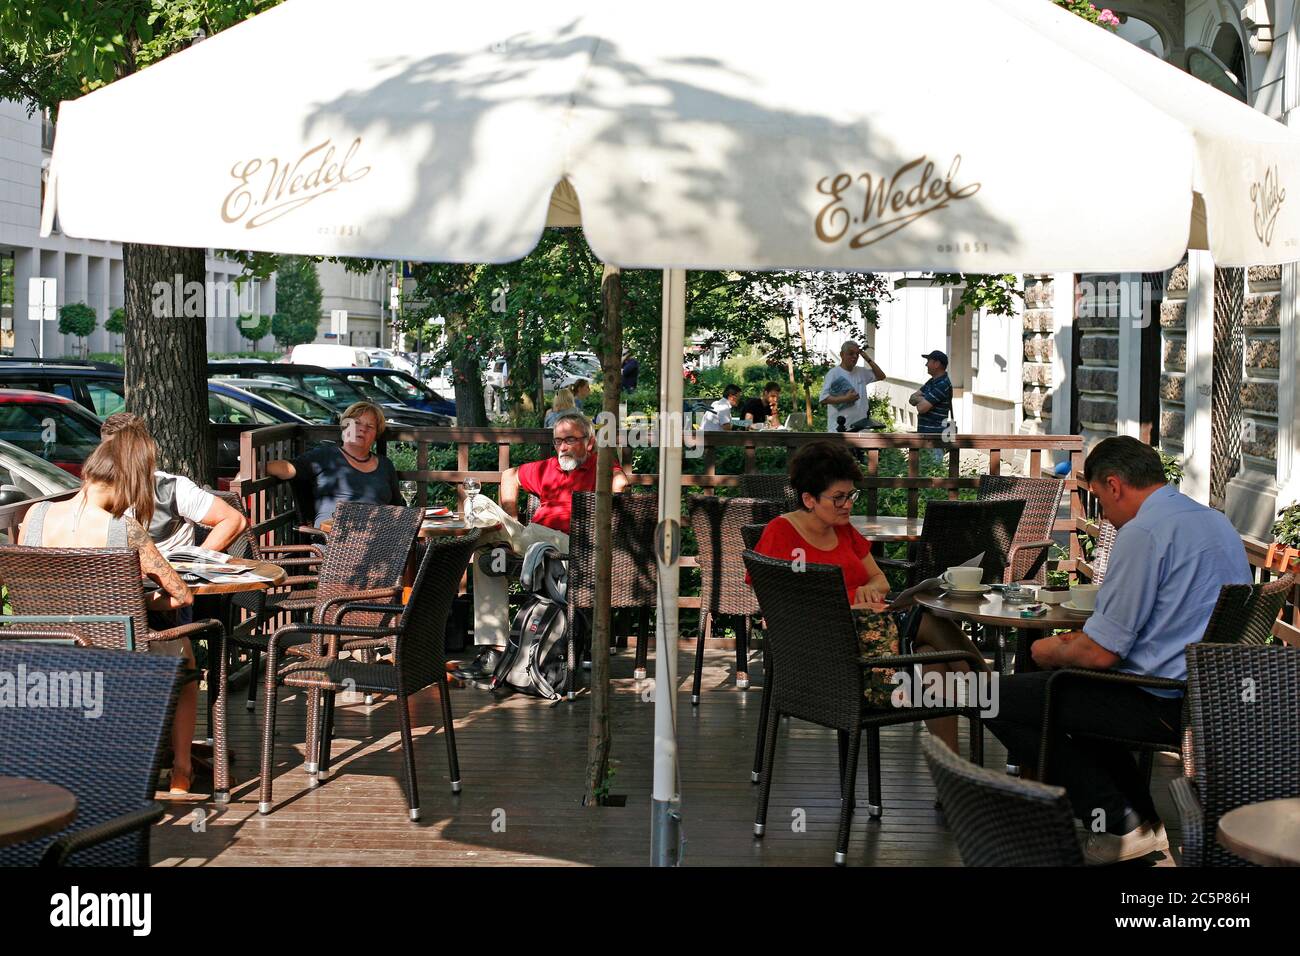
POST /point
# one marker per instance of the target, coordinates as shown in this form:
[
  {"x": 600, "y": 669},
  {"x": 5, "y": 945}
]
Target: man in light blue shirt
[{"x": 1169, "y": 560}]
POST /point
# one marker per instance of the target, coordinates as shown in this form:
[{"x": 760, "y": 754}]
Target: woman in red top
[{"x": 823, "y": 475}]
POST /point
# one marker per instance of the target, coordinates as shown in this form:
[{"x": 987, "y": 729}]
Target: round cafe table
[
  {"x": 446, "y": 528},
  {"x": 264, "y": 569},
  {"x": 1266, "y": 833},
  {"x": 887, "y": 528},
  {"x": 33, "y": 808},
  {"x": 989, "y": 609}
]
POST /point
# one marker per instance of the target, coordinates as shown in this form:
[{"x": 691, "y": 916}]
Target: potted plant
[
  {"x": 1057, "y": 588},
  {"x": 1284, "y": 552}
]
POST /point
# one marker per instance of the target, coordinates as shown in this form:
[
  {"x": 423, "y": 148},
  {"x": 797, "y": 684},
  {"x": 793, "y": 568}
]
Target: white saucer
[
  {"x": 1075, "y": 609},
  {"x": 966, "y": 592}
]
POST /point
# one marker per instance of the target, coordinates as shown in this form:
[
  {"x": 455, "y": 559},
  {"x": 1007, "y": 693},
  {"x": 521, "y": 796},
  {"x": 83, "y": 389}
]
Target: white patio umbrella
[{"x": 873, "y": 136}]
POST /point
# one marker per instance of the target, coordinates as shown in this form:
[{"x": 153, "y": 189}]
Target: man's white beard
[{"x": 569, "y": 463}]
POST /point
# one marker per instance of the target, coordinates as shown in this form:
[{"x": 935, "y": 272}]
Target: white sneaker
[{"x": 1105, "y": 848}]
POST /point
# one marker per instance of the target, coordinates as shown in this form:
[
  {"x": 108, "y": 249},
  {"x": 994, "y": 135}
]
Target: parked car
[
  {"x": 331, "y": 388},
  {"x": 387, "y": 358},
  {"x": 331, "y": 356},
  {"x": 400, "y": 387},
  {"x": 55, "y": 429},
  {"x": 96, "y": 386},
  {"x": 24, "y": 476},
  {"x": 559, "y": 368},
  {"x": 295, "y": 400}
]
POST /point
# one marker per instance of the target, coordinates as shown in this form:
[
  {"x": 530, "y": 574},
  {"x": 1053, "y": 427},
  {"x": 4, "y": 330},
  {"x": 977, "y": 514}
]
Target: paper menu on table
[
  {"x": 197, "y": 554},
  {"x": 907, "y": 598}
]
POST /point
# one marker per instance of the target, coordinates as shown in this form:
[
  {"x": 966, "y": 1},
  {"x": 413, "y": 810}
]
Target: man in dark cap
[{"x": 933, "y": 400}]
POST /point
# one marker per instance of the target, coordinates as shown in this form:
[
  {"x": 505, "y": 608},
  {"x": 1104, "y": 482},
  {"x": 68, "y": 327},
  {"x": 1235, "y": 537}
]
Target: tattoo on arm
[{"x": 152, "y": 563}]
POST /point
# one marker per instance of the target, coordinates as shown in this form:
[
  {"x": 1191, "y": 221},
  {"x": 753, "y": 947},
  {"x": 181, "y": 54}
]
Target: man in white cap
[{"x": 844, "y": 390}]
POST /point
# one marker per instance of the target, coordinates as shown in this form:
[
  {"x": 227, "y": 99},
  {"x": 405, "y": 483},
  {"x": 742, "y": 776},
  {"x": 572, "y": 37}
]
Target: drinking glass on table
[{"x": 472, "y": 487}]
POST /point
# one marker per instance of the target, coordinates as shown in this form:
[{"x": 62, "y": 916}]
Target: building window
[{"x": 1222, "y": 64}]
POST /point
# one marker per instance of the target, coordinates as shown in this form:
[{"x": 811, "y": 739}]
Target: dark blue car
[{"x": 403, "y": 387}]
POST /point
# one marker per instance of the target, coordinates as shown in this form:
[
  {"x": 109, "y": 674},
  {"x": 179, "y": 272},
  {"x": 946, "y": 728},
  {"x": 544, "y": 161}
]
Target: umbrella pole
[{"x": 665, "y": 816}]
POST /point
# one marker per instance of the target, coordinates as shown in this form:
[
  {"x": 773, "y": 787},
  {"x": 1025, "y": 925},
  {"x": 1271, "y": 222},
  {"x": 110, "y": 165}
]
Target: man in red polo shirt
[{"x": 553, "y": 480}]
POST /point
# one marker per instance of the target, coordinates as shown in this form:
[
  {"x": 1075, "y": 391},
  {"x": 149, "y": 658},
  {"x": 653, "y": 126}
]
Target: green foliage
[
  {"x": 255, "y": 331},
  {"x": 1286, "y": 530},
  {"x": 995, "y": 294},
  {"x": 880, "y": 410},
  {"x": 116, "y": 321},
  {"x": 1173, "y": 468},
  {"x": 298, "y": 301},
  {"x": 77, "y": 318}
]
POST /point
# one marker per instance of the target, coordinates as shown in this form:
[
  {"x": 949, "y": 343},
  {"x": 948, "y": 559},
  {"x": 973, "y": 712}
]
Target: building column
[
  {"x": 1128, "y": 403},
  {"x": 1198, "y": 382},
  {"x": 1063, "y": 350}
]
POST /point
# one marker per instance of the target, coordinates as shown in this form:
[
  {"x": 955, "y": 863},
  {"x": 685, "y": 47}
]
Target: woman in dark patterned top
[{"x": 350, "y": 471}]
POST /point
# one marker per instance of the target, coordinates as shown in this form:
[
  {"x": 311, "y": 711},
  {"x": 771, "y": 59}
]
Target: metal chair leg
[
  {"x": 874, "y": 805},
  {"x": 742, "y": 653},
  {"x": 762, "y": 715},
  {"x": 326, "y": 733},
  {"x": 254, "y": 658},
  {"x": 853, "y": 744},
  {"x": 449, "y": 731},
  {"x": 769, "y": 765},
  {"x": 408, "y": 756},
  {"x": 706, "y": 631},
  {"x": 642, "y": 643},
  {"x": 268, "y": 736}
]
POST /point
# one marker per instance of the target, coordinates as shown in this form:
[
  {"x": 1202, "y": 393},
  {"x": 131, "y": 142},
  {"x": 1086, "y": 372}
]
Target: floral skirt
[{"x": 877, "y": 637}]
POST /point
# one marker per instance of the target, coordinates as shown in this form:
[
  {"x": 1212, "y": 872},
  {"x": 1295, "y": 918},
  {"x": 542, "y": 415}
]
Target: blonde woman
[
  {"x": 562, "y": 402},
  {"x": 349, "y": 471}
]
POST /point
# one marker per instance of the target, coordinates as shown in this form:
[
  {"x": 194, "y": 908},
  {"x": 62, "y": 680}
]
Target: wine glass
[{"x": 471, "y": 486}]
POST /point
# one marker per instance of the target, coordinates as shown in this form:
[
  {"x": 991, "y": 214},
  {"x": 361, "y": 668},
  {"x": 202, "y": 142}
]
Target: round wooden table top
[
  {"x": 265, "y": 569},
  {"x": 887, "y": 527},
  {"x": 446, "y": 528},
  {"x": 32, "y": 808},
  {"x": 1266, "y": 833},
  {"x": 988, "y": 608}
]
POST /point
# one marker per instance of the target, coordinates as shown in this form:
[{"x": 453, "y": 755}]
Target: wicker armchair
[
  {"x": 85, "y": 581},
  {"x": 304, "y": 558},
  {"x": 717, "y": 524},
  {"x": 110, "y": 764},
  {"x": 1027, "y": 559},
  {"x": 1244, "y": 614},
  {"x": 416, "y": 639},
  {"x": 770, "y": 488},
  {"x": 635, "y": 573},
  {"x": 819, "y": 678},
  {"x": 1001, "y": 821},
  {"x": 1242, "y": 746},
  {"x": 1101, "y": 555},
  {"x": 956, "y": 531},
  {"x": 366, "y": 558}
]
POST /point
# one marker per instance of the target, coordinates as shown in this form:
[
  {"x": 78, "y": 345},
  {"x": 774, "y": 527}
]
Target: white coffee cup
[
  {"x": 966, "y": 579},
  {"x": 1084, "y": 596}
]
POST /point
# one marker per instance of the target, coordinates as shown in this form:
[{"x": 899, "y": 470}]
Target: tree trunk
[
  {"x": 467, "y": 380},
  {"x": 599, "y": 741},
  {"x": 807, "y": 392},
  {"x": 167, "y": 355}
]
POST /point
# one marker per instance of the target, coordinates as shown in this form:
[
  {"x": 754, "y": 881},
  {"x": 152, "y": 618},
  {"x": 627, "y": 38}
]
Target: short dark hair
[
  {"x": 730, "y": 390},
  {"x": 771, "y": 387},
  {"x": 818, "y": 465},
  {"x": 1133, "y": 462}
]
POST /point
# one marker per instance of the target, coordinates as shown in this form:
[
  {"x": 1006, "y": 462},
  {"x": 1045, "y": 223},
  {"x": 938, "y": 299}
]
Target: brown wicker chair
[
  {"x": 819, "y": 678},
  {"x": 1001, "y": 821},
  {"x": 1101, "y": 554},
  {"x": 750, "y": 535},
  {"x": 717, "y": 524},
  {"x": 1242, "y": 746},
  {"x": 635, "y": 573},
  {"x": 1244, "y": 614},
  {"x": 110, "y": 764},
  {"x": 1027, "y": 559},
  {"x": 956, "y": 531},
  {"x": 365, "y": 559},
  {"x": 770, "y": 488},
  {"x": 416, "y": 640},
  {"x": 85, "y": 581}
]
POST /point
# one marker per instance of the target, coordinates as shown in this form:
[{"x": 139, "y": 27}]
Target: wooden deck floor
[{"x": 522, "y": 764}]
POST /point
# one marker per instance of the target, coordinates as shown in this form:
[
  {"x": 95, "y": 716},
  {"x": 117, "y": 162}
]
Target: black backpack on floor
[{"x": 536, "y": 659}]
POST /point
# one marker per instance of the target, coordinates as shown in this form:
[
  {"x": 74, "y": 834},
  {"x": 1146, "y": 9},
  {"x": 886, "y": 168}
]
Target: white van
[{"x": 329, "y": 356}]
